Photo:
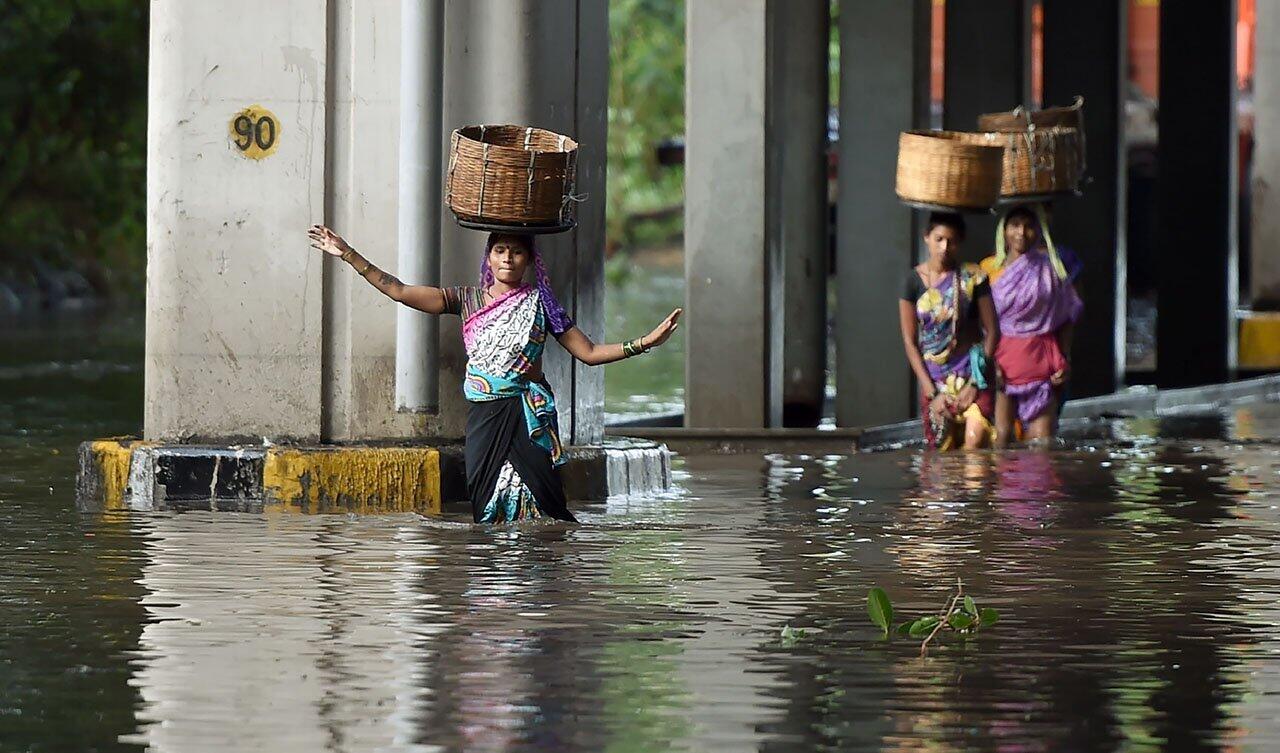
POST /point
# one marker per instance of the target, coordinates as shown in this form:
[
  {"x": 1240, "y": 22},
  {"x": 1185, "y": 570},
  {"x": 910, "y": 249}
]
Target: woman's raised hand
[
  {"x": 663, "y": 331},
  {"x": 324, "y": 239}
]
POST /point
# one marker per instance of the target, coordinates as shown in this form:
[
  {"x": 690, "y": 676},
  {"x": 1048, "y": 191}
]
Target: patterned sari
[
  {"x": 513, "y": 448},
  {"x": 951, "y": 356}
]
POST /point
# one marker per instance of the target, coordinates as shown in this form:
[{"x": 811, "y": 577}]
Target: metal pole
[{"x": 418, "y": 260}]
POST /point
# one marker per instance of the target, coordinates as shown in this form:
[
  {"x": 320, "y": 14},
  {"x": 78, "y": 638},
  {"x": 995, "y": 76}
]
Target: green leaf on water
[
  {"x": 970, "y": 606},
  {"x": 791, "y": 636},
  {"x": 960, "y": 621},
  {"x": 905, "y": 628},
  {"x": 922, "y": 627},
  {"x": 988, "y": 616},
  {"x": 880, "y": 608}
]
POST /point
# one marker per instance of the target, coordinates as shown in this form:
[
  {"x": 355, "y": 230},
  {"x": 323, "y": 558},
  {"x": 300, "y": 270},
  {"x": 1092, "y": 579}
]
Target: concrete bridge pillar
[
  {"x": 250, "y": 333},
  {"x": 986, "y": 70},
  {"x": 1265, "y": 249},
  {"x": 755, "y": 212},
  {"x": 1086, "y": 53},
  {"x": 884, "y": 59},
  {"x": 1196, "y": 221}
]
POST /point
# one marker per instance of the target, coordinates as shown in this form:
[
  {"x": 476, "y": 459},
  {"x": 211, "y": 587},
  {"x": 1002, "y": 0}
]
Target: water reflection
[{"x": 1137, "y": 579}]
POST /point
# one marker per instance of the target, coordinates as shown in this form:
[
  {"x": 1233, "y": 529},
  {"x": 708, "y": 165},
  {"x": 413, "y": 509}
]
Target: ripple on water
[{"x": 1137, "y": 583}]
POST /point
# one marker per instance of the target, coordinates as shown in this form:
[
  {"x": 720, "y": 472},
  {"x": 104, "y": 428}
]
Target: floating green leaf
[
  {"x": 905, "y": 628},
  {"x": 923, "y": 626},
  {"x": 970, "y": 606},
  {"x": 791, "y": 635},
  {"x": 880, "y": 608},
  {"x": 960, "y": 621},
  {"x": 988, "y": 616}
]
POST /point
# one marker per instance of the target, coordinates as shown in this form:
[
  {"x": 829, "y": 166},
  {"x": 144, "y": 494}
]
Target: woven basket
[
  {"x": 1040, "y": 161},
  {"x": 511, "y": 175},
  {"x": 1017, "y": 120},
  {"x": 1021, "y": 120},
  {"x": 943, "y": 168}
]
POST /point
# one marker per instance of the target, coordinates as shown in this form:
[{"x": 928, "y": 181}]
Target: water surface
[{"x": 1137, "y": 583}]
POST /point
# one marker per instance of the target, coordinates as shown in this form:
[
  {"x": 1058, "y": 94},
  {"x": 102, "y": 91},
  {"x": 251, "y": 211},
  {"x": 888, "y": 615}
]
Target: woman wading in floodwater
[
  {"x": 949, "y": 333},
  {"x": 1037, "y": 307},
  {"x": 513, "y": 446}
]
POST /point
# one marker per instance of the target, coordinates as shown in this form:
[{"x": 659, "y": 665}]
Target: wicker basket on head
[
  {"x": 1038, "y": 161},
  {"x": 1021, "y": 120},
  {"x": 944, "y": 169},
  {"x": 511, "y": 175},
  {"x": 1071, "y": 116}
]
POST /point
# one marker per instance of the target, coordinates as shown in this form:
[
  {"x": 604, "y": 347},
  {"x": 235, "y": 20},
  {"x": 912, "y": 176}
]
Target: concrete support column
[
  {"x": 1197, "y": 194},
  {"x": 1085, "y": 52},
  {"x": 883, "y": 91},
  {"x": 986, "y": 71},
  {"x": 798, "y": 169},
  {"x": 542, "y": 63},
  {"x": 985, "y": 60},
  {"x": 233, "y": 346},
  {"x": 730, "y": 323},
  {"x": 250, "y": 333},
  {"x": 1265, "y": 249},
  {"x": 755, "y": 222}
]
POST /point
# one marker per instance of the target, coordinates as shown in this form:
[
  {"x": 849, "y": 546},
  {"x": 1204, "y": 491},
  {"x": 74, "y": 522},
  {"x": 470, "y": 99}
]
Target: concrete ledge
[
  {"x": 124, "y": 473},
  {"x": 1080, "y": 420},
  {"x": 730, "y": 441}
]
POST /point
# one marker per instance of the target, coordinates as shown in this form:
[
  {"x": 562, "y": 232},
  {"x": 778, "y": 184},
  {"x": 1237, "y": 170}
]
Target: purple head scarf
[{"x": 557, "y": 317}]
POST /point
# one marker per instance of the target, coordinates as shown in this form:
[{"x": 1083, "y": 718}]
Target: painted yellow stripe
[
  {"x": 113, "y": 457},
  {"x": 363, "y": 480},
  {"x": 1260, "y": 341}
]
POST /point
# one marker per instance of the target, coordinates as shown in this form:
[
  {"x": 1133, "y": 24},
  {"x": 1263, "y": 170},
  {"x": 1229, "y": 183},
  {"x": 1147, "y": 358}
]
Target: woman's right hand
[
  {"x": 324, "y": 239},
  {"x": 938, "y": 406}
]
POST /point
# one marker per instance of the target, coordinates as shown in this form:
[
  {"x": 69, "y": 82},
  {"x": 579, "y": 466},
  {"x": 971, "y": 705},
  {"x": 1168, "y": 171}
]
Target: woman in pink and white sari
[{"x": 513, "y": 449}]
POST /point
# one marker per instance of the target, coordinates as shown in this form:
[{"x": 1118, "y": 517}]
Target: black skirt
[{"x": 496, "y": 433}]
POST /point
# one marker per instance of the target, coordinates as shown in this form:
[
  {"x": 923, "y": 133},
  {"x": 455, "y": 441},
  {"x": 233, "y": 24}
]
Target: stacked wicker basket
[
  {"x": 1015, "y": 156},
  {"x": 512, "y": 178}
]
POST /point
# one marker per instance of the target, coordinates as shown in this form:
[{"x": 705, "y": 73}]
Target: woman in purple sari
[
  {"x": 513, "y": 449},
  {"x": 1036, "y": 306}
]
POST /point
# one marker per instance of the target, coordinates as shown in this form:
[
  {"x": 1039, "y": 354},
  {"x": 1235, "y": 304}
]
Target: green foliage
[
  {"x": 880, "y": 609},
  {"x": 791, "y": 636},
  {"x": 962, "y": 616},
  {"x": 73, "y": 123},
  {"x": 646, "y": 106}
]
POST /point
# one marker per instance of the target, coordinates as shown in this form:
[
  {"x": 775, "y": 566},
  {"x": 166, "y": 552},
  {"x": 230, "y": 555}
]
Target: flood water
[{"x": 1137, "y": 582}]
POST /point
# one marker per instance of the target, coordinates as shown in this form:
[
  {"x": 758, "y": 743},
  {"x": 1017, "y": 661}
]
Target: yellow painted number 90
[{"x": 255, "y": 131}]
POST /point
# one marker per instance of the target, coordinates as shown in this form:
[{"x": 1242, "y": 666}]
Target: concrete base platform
[{"x": 130, "y": 474}]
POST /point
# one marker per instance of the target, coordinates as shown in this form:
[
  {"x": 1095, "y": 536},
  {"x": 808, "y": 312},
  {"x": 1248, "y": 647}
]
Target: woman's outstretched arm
[
  {"x": 580, "y": 346},
  {"x": 421, "y": 297}
]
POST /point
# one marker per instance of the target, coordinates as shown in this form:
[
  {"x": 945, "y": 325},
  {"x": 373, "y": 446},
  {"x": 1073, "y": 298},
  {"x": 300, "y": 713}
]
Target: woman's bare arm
[
  {"x": 582, "y": 348},
  {"x": 990, "y": 325},
  {"x": 907, "y": 320},
  {"x": 424, "y": 298}
]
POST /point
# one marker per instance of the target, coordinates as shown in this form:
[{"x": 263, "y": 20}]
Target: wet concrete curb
[
  {"x": 130, "y": 474},
  {"x": 1081, "y": 417}
]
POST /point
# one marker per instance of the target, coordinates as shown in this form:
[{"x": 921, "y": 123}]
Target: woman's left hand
[
  {"x": 966, "y": 398},
  {"x": 663, "y": 331},
  {"x": 1061, "y": 376}
]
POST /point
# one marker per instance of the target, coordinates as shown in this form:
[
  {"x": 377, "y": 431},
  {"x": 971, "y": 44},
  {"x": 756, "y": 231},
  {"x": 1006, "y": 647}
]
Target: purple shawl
[{"x": 1030, "y": 299}]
